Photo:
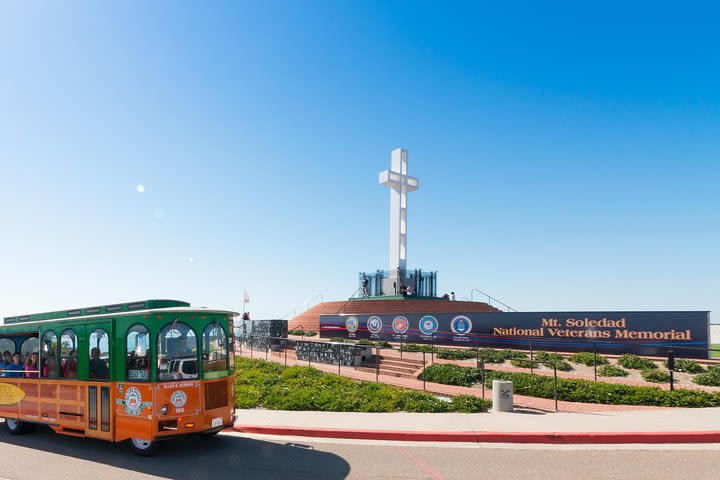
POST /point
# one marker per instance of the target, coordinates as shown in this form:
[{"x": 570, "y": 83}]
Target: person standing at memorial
[{"x": 452, "y": 296}]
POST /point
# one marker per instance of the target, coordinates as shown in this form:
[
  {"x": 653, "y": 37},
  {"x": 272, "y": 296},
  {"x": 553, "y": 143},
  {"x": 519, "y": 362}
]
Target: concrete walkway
[{"x": 659, "y": 426}]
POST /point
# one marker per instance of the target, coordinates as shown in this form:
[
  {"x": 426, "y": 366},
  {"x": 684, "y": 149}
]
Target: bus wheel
[
  {"x": 144, "y": 448},
  {"x": 16, "y": 427}
]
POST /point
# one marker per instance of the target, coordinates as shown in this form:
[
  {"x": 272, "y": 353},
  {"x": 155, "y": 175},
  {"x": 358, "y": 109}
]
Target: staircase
[{"x": 394, "y": 366}]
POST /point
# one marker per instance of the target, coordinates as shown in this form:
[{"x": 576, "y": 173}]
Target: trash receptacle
[{"x": 502, "y": 396}]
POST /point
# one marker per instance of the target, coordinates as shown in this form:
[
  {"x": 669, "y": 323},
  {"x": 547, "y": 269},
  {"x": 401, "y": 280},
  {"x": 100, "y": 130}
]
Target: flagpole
[{"x": 244, "y": 297}]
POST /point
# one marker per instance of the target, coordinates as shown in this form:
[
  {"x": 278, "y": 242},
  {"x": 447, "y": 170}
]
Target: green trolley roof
[{"x": 92, "y": 311}]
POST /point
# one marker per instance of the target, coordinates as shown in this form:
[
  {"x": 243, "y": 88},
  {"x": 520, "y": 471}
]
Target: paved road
[{"x": 42, "y": 454}]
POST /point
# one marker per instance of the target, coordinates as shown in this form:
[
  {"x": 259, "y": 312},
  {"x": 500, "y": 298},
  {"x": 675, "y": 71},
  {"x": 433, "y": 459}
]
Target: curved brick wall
[{"x": 310, "y": 319}]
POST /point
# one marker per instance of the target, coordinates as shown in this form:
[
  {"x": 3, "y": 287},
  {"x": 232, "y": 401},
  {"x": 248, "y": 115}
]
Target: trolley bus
[{"x": 136, "y": 372}]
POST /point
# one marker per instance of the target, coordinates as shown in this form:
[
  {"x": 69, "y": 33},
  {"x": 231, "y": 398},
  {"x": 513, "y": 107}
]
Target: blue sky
[{"x": 567, "y": 153}]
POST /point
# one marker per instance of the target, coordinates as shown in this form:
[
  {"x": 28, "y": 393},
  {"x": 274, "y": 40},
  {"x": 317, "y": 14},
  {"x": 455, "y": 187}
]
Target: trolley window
[
  {"x": 99, "y": 355},
  {"x": 7, "y": 345},
  {"x": 48, "y": 355},
  {"x": 177, "y": 353},
  {"x": 137, "y": 356},
  {"x": 29, "y": 346},
  {"x": 68, "y": 354},
  {"x": 214, "y": 351}
]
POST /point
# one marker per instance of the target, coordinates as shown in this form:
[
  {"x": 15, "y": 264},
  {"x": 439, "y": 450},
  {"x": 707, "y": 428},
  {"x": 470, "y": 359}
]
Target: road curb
[{"x": 489, "y": 437}]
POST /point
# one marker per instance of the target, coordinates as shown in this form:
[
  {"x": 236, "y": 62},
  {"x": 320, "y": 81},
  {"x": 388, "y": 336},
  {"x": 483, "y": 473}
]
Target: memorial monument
[
  {"x": 397, "y": 279},
  {"x": 401, "y": 304}
]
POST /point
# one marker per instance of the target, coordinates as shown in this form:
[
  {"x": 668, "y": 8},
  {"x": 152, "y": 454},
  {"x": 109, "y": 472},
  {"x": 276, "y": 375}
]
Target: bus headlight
[{"x": 164, "y": 410}]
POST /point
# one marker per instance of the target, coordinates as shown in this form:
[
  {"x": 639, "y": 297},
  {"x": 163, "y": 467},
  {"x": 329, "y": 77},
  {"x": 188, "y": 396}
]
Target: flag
[{"x": 247, "y": 297}]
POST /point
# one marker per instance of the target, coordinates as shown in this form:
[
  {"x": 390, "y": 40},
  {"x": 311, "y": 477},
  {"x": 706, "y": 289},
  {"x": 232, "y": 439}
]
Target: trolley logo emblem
[
  {"x": 461, "y": 325},
  {"x": 10, "y": 394},
  {"x": 400, "y": 324},
  {"x": 133, "y": 404},
  {"x": 374, "y": 324},
  {"x": 352, "y": 324},
  {"x": 178, "y": 398},
  {"x": 428, "y": 325}
]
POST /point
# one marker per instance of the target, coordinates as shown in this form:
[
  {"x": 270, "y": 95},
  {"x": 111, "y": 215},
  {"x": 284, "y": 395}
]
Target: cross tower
[{"x": 400, "y": 184}]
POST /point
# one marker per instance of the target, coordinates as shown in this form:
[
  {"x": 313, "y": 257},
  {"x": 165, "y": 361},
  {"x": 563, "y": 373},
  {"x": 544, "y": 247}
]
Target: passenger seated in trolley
[
  {"x": 5, "y": 361},
  {"x": 15, "y": 369},
  {"x": 69, "y": 366},
  {"x": 32, "y": 370},
  {"x": 98, "y": 367}
]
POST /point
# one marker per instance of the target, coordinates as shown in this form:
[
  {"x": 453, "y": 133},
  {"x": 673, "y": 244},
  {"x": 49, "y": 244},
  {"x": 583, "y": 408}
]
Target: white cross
[{"x": 400, "y": 184}]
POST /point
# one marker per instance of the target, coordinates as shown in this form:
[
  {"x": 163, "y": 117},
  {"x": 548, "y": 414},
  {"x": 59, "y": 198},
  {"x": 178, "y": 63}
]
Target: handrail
[
  {"x": 305, "y": 304},
  {"x": 490, "y": 298},
  {"x": 352, "y": 297}
]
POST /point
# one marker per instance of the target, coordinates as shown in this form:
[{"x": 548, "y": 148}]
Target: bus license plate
[{"x": 217, "y": 422}]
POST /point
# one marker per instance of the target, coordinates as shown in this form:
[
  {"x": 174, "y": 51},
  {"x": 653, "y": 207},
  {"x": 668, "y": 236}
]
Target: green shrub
[
  {"x": 609, "y": 370},
  {"x": 636, "y": 362},
  {"x": 524, "y": 363},
  {"x": 455, "y": 354},
  {"x": 450, "y": 374},
  {"x": 247, "y": 396},
  {"x": 413, "y": 347},
  {"x": 587, "y": 391},
  {"x": 655, "y": 375},
  {"x": 470, "y": 404},
  {"x": 379, "y": 343},
  {"x": 297, "y": 331},
  {"x": 710, "y": 378},
  {"x": 309, "y": 334},
  {"x": 687, "y": 366},
  {"x": 277, "y": 387},
  {"x": 553, "y": 360},
  {"x": 337, "y": 339},
  {"x": 510, "y": 354},
  {"x": 587, "y": 358},
  {"x": 490, "y": 355}
]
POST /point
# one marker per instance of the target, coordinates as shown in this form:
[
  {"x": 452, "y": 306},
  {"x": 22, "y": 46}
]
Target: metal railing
[
  {"x": 490, "y": 299},
  {"x": 302, "y": 307}
]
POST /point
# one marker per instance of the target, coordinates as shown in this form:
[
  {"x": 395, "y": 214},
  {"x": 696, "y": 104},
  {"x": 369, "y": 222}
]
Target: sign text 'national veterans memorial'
[{"x": 642, "y": 333}]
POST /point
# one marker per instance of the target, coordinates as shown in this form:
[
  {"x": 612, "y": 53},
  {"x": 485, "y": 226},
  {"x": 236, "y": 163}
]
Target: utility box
[{"x": 502, "y": 396}]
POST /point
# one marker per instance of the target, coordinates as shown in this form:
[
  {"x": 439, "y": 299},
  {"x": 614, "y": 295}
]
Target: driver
[{"x": 182, "y": 350}]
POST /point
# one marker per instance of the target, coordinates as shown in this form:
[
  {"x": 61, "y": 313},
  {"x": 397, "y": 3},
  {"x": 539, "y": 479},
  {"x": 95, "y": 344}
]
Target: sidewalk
[{"x": 658, "y": 426}]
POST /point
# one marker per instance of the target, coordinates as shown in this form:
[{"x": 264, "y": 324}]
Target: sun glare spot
[{"x": 140, "y": 188}]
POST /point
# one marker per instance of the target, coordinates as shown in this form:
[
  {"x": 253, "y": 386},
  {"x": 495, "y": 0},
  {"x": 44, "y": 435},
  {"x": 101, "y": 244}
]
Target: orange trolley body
[{"x": 169, "y": 373}]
